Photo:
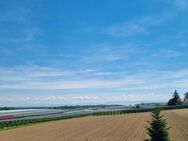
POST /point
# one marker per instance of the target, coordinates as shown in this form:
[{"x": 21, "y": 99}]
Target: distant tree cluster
[{"x": 176, "y": 100}]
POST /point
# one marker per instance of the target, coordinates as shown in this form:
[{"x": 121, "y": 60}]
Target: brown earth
[{"x": 129, "y": 127}]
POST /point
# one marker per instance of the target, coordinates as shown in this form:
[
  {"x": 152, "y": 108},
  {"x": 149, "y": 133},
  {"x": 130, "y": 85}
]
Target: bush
[{"x": 157, "y": 129}]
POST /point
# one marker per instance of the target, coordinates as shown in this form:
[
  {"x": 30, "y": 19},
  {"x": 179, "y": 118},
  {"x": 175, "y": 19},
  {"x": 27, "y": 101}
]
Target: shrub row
[
  {"x": 121, "y": 112},
  {"x": 139, "y": 110},
  {"x": 175, "y": 107},
  {"x": 21, "y": 122}
]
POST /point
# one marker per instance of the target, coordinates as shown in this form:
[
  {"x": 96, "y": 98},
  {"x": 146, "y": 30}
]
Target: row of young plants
[
  {"x": 15, "y": 123},
  {"x": 23, "y": 122},
  {"x": 119, "y": 112},
  {"x": 175, "y": 107},
  {"x": 138, "y": 110}
]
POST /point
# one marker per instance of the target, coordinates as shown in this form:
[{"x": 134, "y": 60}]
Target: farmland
[
  {"x": 26, "y": 114},
  {"x": 130, "y": 127}
]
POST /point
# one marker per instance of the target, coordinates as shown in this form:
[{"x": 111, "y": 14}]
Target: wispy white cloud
[
  {"x": 86, "y": 98},
  {"x": 139, "y": 25},
  {"x": 54, "y": 79},
  {"x": 167, "y": 53},
  {"x": 74, "y": 99},
  {"x": 181, "y": 4},
  {"x": 128, "y": 28},
  {"x": 105, "y": 52},
  {"x": 118, "y": 87},
  {"x": 20, "y": 27},
  {"x": 28, "y": 34}
]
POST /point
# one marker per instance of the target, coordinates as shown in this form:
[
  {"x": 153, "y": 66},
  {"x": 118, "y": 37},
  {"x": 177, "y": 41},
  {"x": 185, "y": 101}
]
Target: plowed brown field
[{"x": 129, "y": 127}]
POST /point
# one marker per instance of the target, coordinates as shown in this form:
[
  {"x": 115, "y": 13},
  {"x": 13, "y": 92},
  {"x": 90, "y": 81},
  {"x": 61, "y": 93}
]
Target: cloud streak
[
  {"x": 19, "y": 26},
  {"x": 74, "y": 99},
  {"x": 48, "y": 78},
  {"x": 181, "y": 4},
  {"x": 139, "y": 25}
]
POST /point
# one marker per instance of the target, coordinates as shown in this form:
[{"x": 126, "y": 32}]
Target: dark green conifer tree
[
  {"x": 157, "y": 130},
  {"x": 176, "y": 100}
]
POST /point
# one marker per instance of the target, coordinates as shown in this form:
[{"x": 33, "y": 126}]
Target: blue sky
[{"x": 92, "y": 51}]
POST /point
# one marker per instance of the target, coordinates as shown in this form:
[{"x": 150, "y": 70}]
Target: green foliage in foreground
[{"x": 157, "y": 130}]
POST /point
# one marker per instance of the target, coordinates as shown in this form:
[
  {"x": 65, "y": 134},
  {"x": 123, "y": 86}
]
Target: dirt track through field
[{"x": 129, "y": 127}]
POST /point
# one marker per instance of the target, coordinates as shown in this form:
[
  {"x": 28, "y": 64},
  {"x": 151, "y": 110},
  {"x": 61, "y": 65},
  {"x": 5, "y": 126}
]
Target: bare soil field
[{"x": 128, "y": 127}]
